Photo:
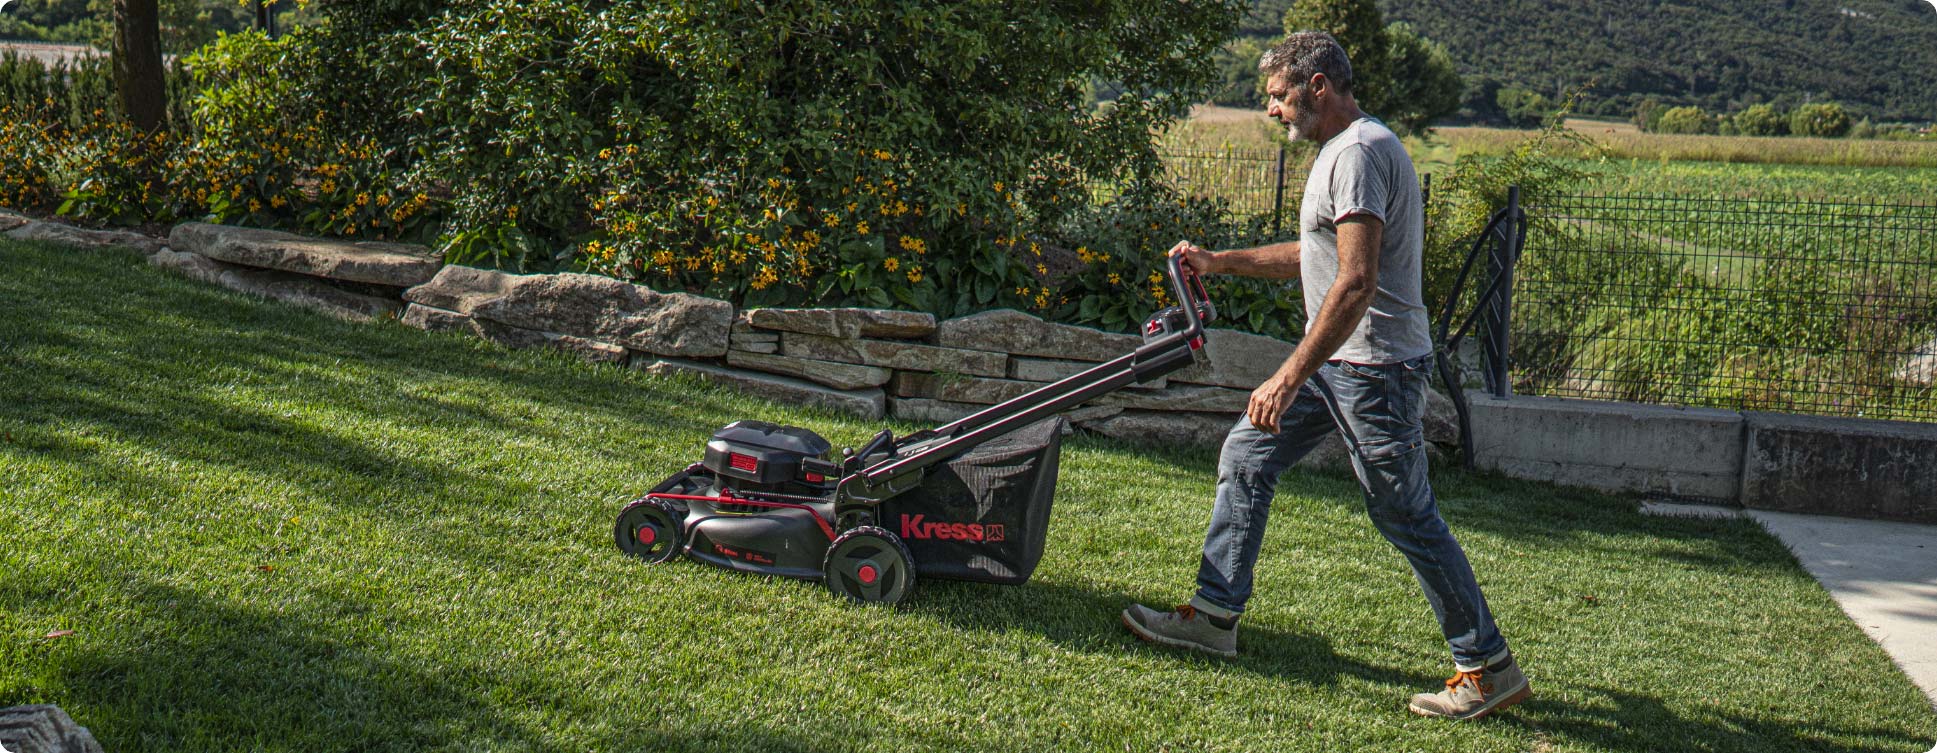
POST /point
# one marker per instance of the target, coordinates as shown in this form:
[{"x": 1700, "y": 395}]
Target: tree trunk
[{"x": 137, "y": 63}]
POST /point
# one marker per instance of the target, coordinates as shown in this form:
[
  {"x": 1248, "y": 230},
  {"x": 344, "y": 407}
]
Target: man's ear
[{"x": 1319, "y": 85}]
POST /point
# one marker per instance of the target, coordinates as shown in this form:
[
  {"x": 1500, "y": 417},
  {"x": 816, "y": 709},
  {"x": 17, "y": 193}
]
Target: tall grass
[{"x": 1623, "y": 143}]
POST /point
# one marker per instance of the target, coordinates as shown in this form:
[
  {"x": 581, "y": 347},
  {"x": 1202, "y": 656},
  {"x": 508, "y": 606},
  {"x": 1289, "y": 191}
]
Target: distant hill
[{"x": 1878, "y": 57}]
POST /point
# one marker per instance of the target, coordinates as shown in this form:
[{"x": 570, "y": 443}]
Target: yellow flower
[
  {"x": 512, "y": 213},
  {"x": 255, "y": 206},
  {"x": 662, "y": 257},
  {"x": 329, "y": 186},
  {"x": 832, "y": 220},
  {"x": 883, "y": 155},
  {"x": 914, "y": 274},
  {"x": 891, "y": 263},
  {"x": 1115, "y": 279},
  {"x": 811, "y": 238},
  {"x": 605, "y": 154},
  {"x": 383, "y": 199},
  {"x": 1041, "y": 269},
  {"x": 362, "y": 199},
  {"x": 998, "y": 185},
  {"x": 349, "y": 230},
  {"x": 861, "y": 227}
]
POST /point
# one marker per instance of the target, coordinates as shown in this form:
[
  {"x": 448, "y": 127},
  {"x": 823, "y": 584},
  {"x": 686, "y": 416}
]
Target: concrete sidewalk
[{"x": 1883, "y": 575}]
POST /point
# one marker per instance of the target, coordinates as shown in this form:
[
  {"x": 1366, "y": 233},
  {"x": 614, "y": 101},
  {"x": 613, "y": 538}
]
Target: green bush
[
  {"x": 1523, "y": 108},
  {"x": 1684, "y": 120},
  {"x": 773, "y": 154},
  {"x": 1760, "y": 120},
  {"x": 1465, "y": 198},
  {"x": 1425, "y": 84},
  {"x": 79, "y": 91},
  {"x": 1823, "y": 120},
  {"x": 1647, "y": 113}
]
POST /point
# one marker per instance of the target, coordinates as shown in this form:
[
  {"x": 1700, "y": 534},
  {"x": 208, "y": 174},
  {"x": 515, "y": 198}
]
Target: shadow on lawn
[
  {"x": 1087, "y": 620},
  {"x": 1639, "y": 723},
  {"x": 194, "y": 672}
]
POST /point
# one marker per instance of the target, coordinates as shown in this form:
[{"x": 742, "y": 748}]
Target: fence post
[
  {"x": 1499, "y": 315},
  {"x": 1278, "y": 203}
]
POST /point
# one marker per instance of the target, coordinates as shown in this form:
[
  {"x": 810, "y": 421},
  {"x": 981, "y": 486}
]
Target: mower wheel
[
  {"x": 869, "y": 564},
  {"x": 650, "y": 530}
]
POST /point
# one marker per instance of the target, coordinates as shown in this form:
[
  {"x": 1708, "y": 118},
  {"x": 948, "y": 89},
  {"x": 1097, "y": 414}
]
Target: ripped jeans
[{"x": 1380, "y": 409}]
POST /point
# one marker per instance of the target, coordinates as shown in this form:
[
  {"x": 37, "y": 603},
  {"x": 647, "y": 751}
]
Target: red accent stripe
[
  {"x": 742, "y": 462},
  {"x": 825, "y": 528}
]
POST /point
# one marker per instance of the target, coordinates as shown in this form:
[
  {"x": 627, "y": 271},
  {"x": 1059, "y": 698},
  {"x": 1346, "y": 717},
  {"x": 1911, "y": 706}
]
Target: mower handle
[{"x": 1190, "y": 294}]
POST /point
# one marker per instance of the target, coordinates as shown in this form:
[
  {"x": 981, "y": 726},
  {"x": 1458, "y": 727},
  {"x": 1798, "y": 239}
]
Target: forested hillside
[{"x": 1874, "y": 56}]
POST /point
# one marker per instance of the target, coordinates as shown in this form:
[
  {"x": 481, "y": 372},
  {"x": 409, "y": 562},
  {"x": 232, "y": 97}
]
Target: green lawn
[{"x": 269, "y": 530}]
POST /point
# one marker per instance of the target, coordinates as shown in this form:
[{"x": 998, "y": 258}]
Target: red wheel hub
[
  {"x": 868, "y": 574},
  {"x": 647, "y": 535}
]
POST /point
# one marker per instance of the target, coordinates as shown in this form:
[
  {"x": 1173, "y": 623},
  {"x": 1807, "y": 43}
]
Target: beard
[{"x": 1304, "y": 118}]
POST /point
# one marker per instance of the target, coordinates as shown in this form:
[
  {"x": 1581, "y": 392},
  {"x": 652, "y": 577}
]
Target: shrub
[
  {"x": 1684, "y": 120},
  {"x": 1761, "y": 120},
  {"x": 1647, "y": 113},
  {"x": 780, "y": 154},
  {"x": 1824, "y": 120},
  {"x": 1543, "y": 164},
  {"x": 1523, "y": 108},
  {"x": 1425, "y": 84}
]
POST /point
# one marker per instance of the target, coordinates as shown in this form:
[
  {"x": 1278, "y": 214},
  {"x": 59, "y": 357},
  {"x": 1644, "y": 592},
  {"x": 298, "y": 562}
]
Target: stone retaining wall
[{"x": 866, "y": 362}]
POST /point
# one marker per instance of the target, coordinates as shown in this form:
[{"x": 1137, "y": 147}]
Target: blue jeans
[{"x": 1380, "y": 409}]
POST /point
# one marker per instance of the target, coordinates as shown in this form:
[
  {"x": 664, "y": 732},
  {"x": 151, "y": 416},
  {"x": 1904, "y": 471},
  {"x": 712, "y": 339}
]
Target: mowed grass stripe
[{"x": 270, "y": 530}]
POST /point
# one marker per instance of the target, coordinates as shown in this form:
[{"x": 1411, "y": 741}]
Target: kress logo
[{"x": 915, "y": 527}]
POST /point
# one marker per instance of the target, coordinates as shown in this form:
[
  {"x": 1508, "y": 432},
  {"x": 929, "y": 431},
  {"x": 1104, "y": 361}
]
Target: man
[{"x": 1361, "y": 368}]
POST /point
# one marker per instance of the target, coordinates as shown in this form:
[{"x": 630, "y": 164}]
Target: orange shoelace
[{"x": 1463, "y": 678}]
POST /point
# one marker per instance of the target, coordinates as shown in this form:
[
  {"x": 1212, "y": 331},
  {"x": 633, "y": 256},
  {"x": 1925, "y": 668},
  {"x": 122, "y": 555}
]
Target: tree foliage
[
  {"x": 916, "y": 153},
  {"x": 1823, "y": 119},
  {"x": 1521, "y": 107},
  {"x": 1684, "y": 120},
  {"x": 1760, "y": 120},
  {"x": 1424, "y": 86}
]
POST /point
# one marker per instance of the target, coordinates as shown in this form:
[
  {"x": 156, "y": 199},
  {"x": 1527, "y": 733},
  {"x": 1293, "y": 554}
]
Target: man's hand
[
  {"x": 1269, "y": 401},
  {"x": 1200, "y": 261}
]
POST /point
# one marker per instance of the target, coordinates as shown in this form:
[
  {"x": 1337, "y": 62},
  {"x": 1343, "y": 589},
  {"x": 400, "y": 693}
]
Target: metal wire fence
[
  {"x": 1254, "y": 182},
  {"x": 1789, "y": 306}
]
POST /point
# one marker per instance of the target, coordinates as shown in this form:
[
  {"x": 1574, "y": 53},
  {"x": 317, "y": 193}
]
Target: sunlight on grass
[{"x": 269, "y": 530}]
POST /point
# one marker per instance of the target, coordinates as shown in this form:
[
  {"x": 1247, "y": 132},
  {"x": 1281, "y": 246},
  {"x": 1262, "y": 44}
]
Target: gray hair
[{"x": 1305, "y": 53}]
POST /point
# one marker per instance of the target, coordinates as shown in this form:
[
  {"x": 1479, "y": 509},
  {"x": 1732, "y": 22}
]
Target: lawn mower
[{"x": 965, "y": 501}]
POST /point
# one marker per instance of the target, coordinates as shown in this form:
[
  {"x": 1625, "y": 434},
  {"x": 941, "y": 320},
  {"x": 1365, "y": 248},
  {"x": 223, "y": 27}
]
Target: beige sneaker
[
  {"x": 1471, "y": 695},
  {"x": 1183, "y": 627}
]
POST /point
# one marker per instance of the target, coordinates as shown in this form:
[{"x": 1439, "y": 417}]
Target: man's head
[{"x": 1308, "y": 78}]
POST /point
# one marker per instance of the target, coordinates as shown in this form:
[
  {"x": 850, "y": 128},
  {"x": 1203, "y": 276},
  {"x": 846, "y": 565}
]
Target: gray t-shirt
[{"x": 1365, "y": 170}]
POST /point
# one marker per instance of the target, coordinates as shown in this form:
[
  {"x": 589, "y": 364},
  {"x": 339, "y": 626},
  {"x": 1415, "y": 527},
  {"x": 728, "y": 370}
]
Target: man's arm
[
  {"x": 1345, "y": 306},
  {"x": 1278, "y": 261}
]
